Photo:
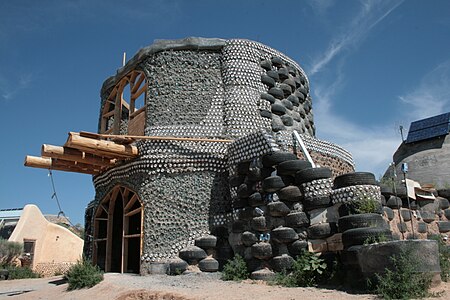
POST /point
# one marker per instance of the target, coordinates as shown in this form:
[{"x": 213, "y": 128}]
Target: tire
[
  {"x": 311, "y": 203},
  {"x": 360, "y": 221},
  {"x": 310, "y": 174},
  {"x": 265, "y": 113},
  {"x": 287, "y": 120},
  {"x": 394, "y": 202},
  {"x": 291, "y": 167},
  {"x": 278, "y": 108},
  {"x": 268, "y": 97},
  {"x": 297, "y": 247},
  {"x": 278, "y": 209},
  {"x": 284, "y": 235},
  {"x": 263, "y": 274},
  {"x": 386, "y": 190},
  {"x": 283, "y": 73},
  {"x": 192, "y": 254},
  {"x": 290, "y": 193},
  {"x": 276, "y": 92},
  {"x": 358, "y": 236},
  {"x": 277, "y": 62},
  {"x": 290, "y": 82},
  {"x": 243, "y": 191},
  {"x": 267, "y": 80},
  {"x": 248, "y": 238},
  {"x": 266, "y": 64},
  {"x": 208, "y": 264},
  {"x": 406, "y": 215},
  {"x": 274, "y": 75},
  {"x": 275, "y": 158},
  {"x": 262, "y": 250},
  {"x": 447, "y": 213},
  {"x": 443, "y": 203},
  {"x": 177, "y": 266},
  {"x": 422, "y": 227},
  {"x": 320, "y": 231},
  {"x": 272, "y": 184},
  {"x": 206, "y": 242},
  {"x": 389, "y": 213},
  {"x": 260, "y": 224},
  {"x": 236, "y": 181},
  {"x": 287, "y": 90},
  {"x": 282, "y": 262},
  {"x": 294, "y": 100},
  {"x": 445, "y": 193},
  {"x": 239, "y": 226},
  {"x": 297, "y": 220},
  {"x": 255, "y": 199},
  {"x": 355, "y": 178}
]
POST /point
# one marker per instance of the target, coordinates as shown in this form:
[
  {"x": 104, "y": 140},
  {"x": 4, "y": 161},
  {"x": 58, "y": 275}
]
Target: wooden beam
[
  {"x": 133, "y": 212},
  {"x": 53, "y": 164},
  {"x": 137, "y": 84},
  {"x": 76, "y": 155},
  {"x": 99, "y": 147}
]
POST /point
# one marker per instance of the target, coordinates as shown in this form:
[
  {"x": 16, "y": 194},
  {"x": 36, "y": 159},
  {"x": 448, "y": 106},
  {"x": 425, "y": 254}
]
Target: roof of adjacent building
[{"x": 10, "y": 213}]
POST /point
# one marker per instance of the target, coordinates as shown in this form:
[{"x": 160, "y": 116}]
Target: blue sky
[{"x": 373, "y": 66}]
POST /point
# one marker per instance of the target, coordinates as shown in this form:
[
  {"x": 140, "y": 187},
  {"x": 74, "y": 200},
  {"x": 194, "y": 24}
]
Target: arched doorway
[{"x": 118, "y": 232}]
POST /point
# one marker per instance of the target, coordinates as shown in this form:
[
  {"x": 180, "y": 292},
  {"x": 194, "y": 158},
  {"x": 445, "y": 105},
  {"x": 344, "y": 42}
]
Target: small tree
[
  {"x": 83, "y": 275},
  {"x": 9, "y": 251}
]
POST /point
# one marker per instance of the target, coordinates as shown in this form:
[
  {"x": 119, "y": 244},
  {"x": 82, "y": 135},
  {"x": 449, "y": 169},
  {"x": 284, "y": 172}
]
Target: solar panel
[{"x": 429, "y": 128}]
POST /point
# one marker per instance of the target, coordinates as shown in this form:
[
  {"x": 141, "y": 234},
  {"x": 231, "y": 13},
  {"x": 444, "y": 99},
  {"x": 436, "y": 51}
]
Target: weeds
[
  {"x": 16, "y": 272},
  {"x": 444, "y": 258},
  {"x": 83, "y": 275},
  {"x": 375, "y": 239},
  {"x": 9, "y": 251},
  {"x": 235, "y": 269},
  {"x": 308, "y": 270},
  {"x": 402, "y": 281}
]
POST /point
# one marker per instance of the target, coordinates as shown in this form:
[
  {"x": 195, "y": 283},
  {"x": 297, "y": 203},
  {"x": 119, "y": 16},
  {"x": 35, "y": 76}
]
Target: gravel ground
[{"x": 192, "y": 286}]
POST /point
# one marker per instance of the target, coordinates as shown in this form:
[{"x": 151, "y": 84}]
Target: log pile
[{"x": 83, "y": 153}]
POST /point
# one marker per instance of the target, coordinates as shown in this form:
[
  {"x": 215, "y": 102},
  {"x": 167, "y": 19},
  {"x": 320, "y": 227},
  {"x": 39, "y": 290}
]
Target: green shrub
[
  {"x": 375, "y": 239},
  {"x": 235, "y": 269},
  {"x": 402, "y": 281},
  {"x": 308, "y": 270},
  {"x": 9, "y": 251},
  {"x": 444, "y": 258},
  {"x": 83, "y": 275},
  {"x": 16, "y": 272}
]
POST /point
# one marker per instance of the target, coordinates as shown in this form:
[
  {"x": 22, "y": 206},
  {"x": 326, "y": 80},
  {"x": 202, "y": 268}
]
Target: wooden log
[
  {"x": 71, "y": 154},
  {"x": 100, "y": 147},
  {"x": 50, "y": 164}
]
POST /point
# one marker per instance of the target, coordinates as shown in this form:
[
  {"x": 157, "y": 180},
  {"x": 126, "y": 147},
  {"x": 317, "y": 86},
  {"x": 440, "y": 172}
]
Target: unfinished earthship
[{"x": 219, "y": 157}]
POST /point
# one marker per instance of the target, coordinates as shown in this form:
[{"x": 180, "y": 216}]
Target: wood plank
[
  {"x": 138, "y": 93},
  {"x": 136, "y": 125},
  {"x": 130, "y": 203},
  {"x": 133, "y": 212},
  {"x": 100, "y": 147},
  {"x": 72, "y": 154},
  {"x": 137, "y": 112},
  {"x": 132, "y": 235},
  {"x": 101, "y": 219},
  {"x": 137, "y": 84}
]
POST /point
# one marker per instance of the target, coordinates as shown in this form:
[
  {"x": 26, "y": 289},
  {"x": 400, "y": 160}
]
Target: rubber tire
[
  {"x": 444, "y": 226},
  {"x": 208, "y": 264},
  {"x": 310, "y": 174},
  {"x": 297, "y": 247},
  {"x": 282, "y": 262},
  {"x": 297, "y": 220},
  {"x": 358, "y": 236},
  {"x": 177, "y": 266},
  {"x": 310, "y": 203},
  {"x": 320, "y": 231},
  {"x": 192, "y": 254},
  {"x": 284, "y": 235},
  {"x": 262, "y": 250},
  {"x": 275, "y": 158},
  {"x": 272, "y": 184},
  {"x": 276, "y": 92},
  {"x": 278, "y": 108},
  {"x": 248, "y": 238},
  {"x": 255, "y": 199},
  {"x": 354, "y": 178},
  {"x": 268, "y": 97},
  {"x": 267, "y": 80},
  {"x": 360, "y": 221},
  {"x": 291, "y": 167},
  {"x": 206, "y": 242},
  {"x": 261, "y": 224},
  {"x": 394, "y": 202},
  {"x": 290, "y": 193},
  {"x": 278, "y": 209}
]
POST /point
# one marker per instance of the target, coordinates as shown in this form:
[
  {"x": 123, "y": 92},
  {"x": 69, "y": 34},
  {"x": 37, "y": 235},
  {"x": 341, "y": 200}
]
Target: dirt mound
[{"x": 150, "y": 295}]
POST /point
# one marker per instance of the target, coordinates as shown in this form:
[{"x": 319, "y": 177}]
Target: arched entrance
[{"x": 118, "y": 232}]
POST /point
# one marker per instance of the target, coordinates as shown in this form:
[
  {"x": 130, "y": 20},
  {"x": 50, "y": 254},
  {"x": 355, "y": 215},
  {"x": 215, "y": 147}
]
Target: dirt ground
[{"x": 159, "y": 287}]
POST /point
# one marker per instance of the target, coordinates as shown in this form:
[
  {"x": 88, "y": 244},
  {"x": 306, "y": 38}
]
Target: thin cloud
[
  {"x": 320, "y": 7},
  {"x": 12, "y": 86},
  {"x": 371, "y": 14},
  {"x": 432, "y": 95}
]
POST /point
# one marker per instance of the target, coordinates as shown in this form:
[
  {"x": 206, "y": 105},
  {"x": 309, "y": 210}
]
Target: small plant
[
  {"x": 402, "y": 281},
  {"x": 9, "y": 251},
  {"x": 444, "y": 258},
  {"x": 235, "y": 269},
  {"x": 375, "y": 239},
  {"x": 83, "y": 275},
  {"x": 16, "y": 272},
  {"x": 308, "y": 270}
]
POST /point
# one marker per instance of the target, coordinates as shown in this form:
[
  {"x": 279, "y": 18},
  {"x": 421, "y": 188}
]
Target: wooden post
[{"x": 71, "y": 154}]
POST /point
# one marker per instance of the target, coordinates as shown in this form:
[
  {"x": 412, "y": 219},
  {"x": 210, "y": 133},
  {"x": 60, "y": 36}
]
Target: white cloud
[
  {"x": 320, "y": 7},
  {"x": 10, "y": 87},
  {"x": 432, "y": 95},
  {"x": 371, "y": 14}
]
